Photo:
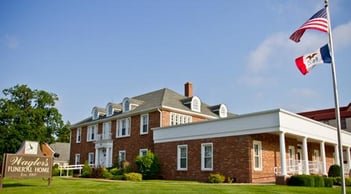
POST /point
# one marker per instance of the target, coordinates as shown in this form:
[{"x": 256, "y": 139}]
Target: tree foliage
[
  {"x": 63, "y": 133},
  {"x": 148, "y": 165},
  {"x": 27, "y": 114}
]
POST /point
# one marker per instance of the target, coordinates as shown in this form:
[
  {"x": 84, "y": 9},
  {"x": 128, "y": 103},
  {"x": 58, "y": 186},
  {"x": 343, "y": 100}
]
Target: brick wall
[{"x": 230, "y": 158}]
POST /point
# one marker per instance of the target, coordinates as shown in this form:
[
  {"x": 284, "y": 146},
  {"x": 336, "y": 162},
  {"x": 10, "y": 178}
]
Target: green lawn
[{"x": 85, "y": 186}]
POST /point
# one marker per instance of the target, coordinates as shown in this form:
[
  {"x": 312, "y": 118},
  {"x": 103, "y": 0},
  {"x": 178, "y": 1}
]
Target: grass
[{"x": 85, "y": 186}]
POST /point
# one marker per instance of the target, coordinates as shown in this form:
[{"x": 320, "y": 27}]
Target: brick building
[
  {"x": 122, "y": 131},
  {"x": 193, "y": 139},
  {"x": 327, "y": 116},
  {"x": 258, "y": 147}
]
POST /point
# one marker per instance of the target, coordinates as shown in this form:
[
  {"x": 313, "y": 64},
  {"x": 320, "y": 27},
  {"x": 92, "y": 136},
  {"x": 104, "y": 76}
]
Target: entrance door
[{"x": 102, "y": 157}]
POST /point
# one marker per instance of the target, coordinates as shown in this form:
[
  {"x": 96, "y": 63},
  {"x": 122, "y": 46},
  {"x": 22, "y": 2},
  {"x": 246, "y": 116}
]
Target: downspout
[{"x": 159, "y": 110}]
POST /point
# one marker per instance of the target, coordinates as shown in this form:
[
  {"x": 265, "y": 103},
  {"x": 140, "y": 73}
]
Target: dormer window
[
  {"x": 95, "y": 113},
  {"x": 223, "y": 111},
  {"x": 196, "y": 104},
  {"x": 126, "y": 105},
  {"x": 109, "y": 109}
]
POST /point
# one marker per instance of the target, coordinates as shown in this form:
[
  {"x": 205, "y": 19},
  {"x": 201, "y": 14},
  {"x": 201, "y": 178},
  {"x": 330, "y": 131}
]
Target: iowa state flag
[{"x": 307, "y": 62}]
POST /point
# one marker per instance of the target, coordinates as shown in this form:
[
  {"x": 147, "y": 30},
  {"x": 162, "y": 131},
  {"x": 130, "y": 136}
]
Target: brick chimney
[{"x": 188, "y": 89}]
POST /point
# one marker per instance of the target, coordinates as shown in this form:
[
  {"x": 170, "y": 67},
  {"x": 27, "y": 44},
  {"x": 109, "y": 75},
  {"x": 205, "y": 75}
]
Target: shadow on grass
[{"x": 9, "y": 185}]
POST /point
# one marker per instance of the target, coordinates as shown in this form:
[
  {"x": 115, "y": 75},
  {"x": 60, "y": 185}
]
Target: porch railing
[{"x": 298, "y": 167}]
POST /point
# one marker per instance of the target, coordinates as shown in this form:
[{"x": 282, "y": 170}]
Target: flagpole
[{"x": 336, "y": 98}]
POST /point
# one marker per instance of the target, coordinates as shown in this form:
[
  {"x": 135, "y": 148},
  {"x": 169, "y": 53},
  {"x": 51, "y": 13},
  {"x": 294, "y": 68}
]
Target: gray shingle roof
[{"x": 160, "y": 98}]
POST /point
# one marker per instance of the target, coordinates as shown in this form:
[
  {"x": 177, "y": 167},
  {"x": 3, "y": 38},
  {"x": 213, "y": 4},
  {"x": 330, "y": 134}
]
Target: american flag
[{"x": 318, "y": 21}]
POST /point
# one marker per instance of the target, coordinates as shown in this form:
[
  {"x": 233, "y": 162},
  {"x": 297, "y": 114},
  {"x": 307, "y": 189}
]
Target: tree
[
  {"x": 148, "y": 165},
  {"x": 27, "y": 114},
  {"x": 63, "y": 134}
]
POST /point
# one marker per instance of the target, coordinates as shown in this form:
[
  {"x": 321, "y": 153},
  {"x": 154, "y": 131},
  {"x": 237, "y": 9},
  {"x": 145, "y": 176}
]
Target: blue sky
[{"x": 91, "y": 52}]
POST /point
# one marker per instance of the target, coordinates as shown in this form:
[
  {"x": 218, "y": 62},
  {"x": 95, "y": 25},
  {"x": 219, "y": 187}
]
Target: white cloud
[
  {"x": 277, "y": 50},
  {"x": 342, "y": 35}
]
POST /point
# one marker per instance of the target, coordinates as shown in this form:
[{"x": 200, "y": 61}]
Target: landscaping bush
[
  {"x": 55, "y": 170},
  {"x": 216, "y": 178},
  {"x": 106, "y": 174},
  {"x": 302, "y": 180},
  {"x": 133, "y": 176},
  {"x": 328, "y": 181},
  {"x": 148, "y": 165},
  {"x": 318, "y": 181},
  {"x": 334, "y": 171},
  {"x": 87, "y": 171},
  {"x": 97, "y": 172},
  {"x": 348, "y": 182}
]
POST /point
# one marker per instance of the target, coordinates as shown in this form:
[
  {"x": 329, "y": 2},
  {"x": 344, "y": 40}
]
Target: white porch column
[
  {"x": 348, "y": 158},
  {"x": 282, "y": 153},
  {"x": 336, "y": 157},
  {"x": 107, "y": 157},
  {"x": 96, "y": 162},
  {"x": 305, "y": 155},
  {"x": 324, "y": 161}
]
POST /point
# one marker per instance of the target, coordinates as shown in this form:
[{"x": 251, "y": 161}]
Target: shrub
[
  {"x": 348, "y": 182},
  {"x": 87, "y": 171},
  {"x": 318, "y": 181},
  {"x": 301, "y": 180},
  {"x": 334, "y": 171},
  {"x": 97, "y": 172},
  {"x": 328, "y": 182},
  {"x": 133, "y": 176},
  {"x": 148, "y": 165},
  {"x": 114, "y": 171},
  {"x": 216, "y": 178},
  {"x": 106, "y": 173},
  {"x": 55, "y": 170}
]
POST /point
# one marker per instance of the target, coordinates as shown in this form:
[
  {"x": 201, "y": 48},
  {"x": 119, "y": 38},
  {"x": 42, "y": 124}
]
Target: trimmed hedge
[
  {"x": 309, "y": 181},
  {"x": 334, "y": 171},
  {"x": 216, "y": 178},
  {"x": 132, "y": 176}
]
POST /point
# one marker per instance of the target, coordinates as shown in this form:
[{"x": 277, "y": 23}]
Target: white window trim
[
  {"x": 259, "y": 146},
  {"x": 179, "y": 147},
  {"x": 120, "y": 153},
  {"x": 91, "y": 157},
  {"x": 106, "y": 130},
  {"x": 203, "y": 168},
  {"x": 90, "y": 131},
  {"x": 141, "y": 151},
  {"x": 142, "y": 124},
  {"x": 119, "y": 128},
  {"x": 79, "y": 135},
  {"x": 109, "y": 110},
  {"x": 177, "y": 119},
  {"x": 126, "y": 100},
  {"x": 195, "y": 104},
  {"x": 77, "y": 159}
]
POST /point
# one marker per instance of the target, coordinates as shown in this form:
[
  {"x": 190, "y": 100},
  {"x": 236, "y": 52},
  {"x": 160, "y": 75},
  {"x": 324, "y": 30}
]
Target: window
[
  {"x": 92, "y": 132},
  {"x": 291, "y": 157},
  {"x": 143, "y": 152},
  {"x": 109, "y": 110},
  {"x": 77, "y": 159},
  {"x": 196, "y": 104},
  {"x": 106, "y": 131},
  {"x": 207, "y": 156},
  {"x": 95, "y": 113},
  {"x": 257, "y": 152},
  {"x": 91, "y": 158},
  {"x": 177, "y": 119},
  {"x": 121, "y": 156},
  {"x": 182, "y": 157},
  {"x": 315, "y": 155},
  {"x": 144, "y": 124},
  {"x": 79, "y": 134},
  {"x": 126, "y": 105},
  {"x": 343, "y": 123},
  {"x": 123, "y": 127},
  {"x": 222, "y": 111}
]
